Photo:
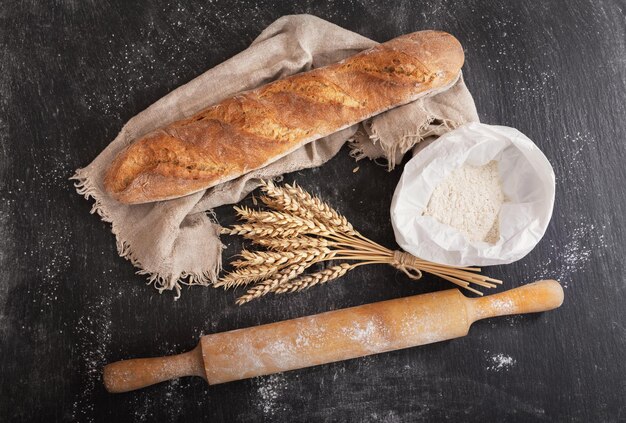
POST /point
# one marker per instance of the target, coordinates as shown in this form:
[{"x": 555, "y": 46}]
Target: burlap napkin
[{"x": 177, "y": 241}]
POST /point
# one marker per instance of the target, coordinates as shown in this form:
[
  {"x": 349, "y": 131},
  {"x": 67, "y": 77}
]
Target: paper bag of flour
[{"x": 528, "y": 186}]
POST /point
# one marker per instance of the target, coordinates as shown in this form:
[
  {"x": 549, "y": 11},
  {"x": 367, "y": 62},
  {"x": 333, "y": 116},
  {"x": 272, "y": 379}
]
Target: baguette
[{"x": 255, "y": 128}]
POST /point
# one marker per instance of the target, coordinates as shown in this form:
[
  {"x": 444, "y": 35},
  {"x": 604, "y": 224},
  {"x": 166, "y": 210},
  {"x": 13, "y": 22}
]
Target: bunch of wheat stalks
[{"x": 301, "y": 230}]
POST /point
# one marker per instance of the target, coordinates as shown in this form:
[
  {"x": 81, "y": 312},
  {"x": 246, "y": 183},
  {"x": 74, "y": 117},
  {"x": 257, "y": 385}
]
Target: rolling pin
[{"x": 332, "y": 336}]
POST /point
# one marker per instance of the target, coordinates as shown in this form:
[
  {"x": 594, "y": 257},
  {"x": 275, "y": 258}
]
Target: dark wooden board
[{"x": 72, "y": 72}]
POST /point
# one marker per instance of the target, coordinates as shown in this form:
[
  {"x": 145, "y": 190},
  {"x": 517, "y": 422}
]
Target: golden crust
[{"x": 257, "y": 127}]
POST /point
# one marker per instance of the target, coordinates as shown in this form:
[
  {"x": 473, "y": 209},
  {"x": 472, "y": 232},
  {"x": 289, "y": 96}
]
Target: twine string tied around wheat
[{"x": 406, "y": 263}]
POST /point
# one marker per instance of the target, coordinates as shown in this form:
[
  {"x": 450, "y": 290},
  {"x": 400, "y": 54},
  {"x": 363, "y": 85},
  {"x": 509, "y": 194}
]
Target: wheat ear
[
  {"x": 317, "y": 278},
  {"x": 293, "y": 199},
  {"x": 297, "y": 243},
  {"x": 246, "y": 275},
  {"x": 285, "y": 275}
]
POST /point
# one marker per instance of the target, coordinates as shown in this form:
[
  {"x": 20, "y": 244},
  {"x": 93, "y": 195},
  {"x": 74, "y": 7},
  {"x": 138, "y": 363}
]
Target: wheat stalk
[
  {"x": 255, "y": 258},
  {"x": 292, "y": 198},
  {"x": 273, "y": 218},
  {"x": 285, "y": 275},
  {"x": 321, "y": 210},
  {"x": 252, "y": 231},
  {"x": 305, "y": 282},
  {"x": 259, "y": 265},
  {"x": 283, "y": 226},
  {"x": 297, "y": 243},
  {"x": 246, "y": 275},
  {"x": 300, "y": 230}
]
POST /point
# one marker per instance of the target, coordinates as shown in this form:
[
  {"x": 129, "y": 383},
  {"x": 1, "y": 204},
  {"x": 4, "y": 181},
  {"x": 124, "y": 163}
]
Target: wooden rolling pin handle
[
  {"x": 531, "y": 298},
  {"x": 128, "y": 375}
]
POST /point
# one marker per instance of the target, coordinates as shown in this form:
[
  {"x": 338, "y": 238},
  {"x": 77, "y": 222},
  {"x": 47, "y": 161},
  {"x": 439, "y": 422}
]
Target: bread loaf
[{"x": 255, "y": 128}]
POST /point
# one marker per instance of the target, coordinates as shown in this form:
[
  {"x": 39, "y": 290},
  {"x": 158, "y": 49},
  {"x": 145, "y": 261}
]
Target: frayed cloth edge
[
  {"x": 407, "y": 141},
  {"x": 161, "y": 282}
]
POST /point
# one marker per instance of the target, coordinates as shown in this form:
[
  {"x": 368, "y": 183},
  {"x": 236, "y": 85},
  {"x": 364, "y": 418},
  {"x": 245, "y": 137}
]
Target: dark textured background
[{"x": 72, "y": 72}]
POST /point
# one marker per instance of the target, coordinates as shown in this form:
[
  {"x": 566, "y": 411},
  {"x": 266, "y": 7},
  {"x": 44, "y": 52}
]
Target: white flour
[
  {"x": 469, "y": 200},
  {"x": 499, "y": 362},
  {"x": 269, "y": 391}
]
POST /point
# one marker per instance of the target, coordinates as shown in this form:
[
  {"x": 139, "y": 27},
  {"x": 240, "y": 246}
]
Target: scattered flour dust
[
  {"x": 469, "y": 200},
  {"x": 503, "y": 306},
  {"x": 364, "y": 333},
  {"x": 583, "y": 241},
  {"x": 269, "y": 390},
  {"x": 501, "y": 362},
  {"x": 93, "y": 339}
]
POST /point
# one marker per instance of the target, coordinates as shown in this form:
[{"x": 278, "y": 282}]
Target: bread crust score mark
[{"x": 255, "y": 128}]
